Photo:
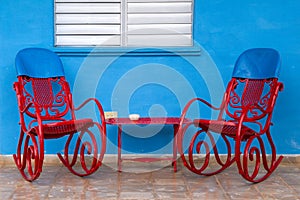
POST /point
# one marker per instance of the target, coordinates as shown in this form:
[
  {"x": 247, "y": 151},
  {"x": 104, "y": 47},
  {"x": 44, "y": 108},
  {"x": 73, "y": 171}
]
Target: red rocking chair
[
  {"x": 47, "y": 112},
  {"x": 243, "y": 122}
]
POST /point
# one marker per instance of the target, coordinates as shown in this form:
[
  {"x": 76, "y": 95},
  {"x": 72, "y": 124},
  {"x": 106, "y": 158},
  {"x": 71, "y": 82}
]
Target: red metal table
[{"x": 146, "y": 121}]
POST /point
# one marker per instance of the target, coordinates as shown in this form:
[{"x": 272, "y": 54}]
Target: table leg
[
  {"x": 119, "y": 148},
  {"x": 174, "y": 161}
]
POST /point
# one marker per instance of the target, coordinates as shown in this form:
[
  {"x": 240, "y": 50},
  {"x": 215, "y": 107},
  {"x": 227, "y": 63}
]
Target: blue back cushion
[
  {"x": 257, "y": 63},
  {"x": 38, "y": 63}
]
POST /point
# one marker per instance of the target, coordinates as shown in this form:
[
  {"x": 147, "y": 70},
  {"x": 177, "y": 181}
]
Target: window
[{"x": 124, "y": 23}]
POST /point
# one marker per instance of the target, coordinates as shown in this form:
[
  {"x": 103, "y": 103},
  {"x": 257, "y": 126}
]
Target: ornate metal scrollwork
[
  {"x": 85, "y": 146},
  {"x": 29, "y": 156}
]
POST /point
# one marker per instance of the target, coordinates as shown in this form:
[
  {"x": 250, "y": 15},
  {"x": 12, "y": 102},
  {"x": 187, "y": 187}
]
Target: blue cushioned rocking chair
[
  {"x": 243, "y": 123},
  {"x": 47, "y": 112}
]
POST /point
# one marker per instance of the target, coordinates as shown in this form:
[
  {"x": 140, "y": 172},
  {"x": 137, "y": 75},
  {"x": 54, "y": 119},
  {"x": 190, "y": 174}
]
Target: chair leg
[
  {"x": 260, "y": 167},
  {"x": 200, "y": 166},
  {"x": 30, "y": 160},
  {"x": 89, "y": 157}
]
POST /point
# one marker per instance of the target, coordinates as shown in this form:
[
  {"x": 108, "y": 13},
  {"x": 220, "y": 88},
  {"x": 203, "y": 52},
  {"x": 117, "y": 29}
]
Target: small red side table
[{"x": 144, "y": 121}]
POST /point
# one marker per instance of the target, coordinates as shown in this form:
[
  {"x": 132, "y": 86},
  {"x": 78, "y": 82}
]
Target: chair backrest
[
  {"x": 257, "y": 63},
  {"x": 38, "y": 63},
  {"x": 254, "y": 85},
  {"x": 41, "y": 84}
]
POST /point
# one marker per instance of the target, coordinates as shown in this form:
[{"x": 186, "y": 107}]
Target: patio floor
[{"x": 148, "y": 181}]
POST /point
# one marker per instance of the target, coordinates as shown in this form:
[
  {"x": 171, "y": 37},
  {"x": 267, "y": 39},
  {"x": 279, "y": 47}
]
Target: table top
[{"x": 146, "y": 120}]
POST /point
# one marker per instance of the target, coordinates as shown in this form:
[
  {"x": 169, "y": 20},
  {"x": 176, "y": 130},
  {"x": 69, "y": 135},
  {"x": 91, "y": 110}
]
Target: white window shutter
[
  {"x": 123, "y": 22},
  {"x": 88, "y": 22},
  {"x": 159, "y": 23}
]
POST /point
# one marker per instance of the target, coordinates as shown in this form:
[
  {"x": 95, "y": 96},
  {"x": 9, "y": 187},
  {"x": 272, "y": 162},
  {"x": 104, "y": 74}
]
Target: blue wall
[{"x": 159, "y": 82}]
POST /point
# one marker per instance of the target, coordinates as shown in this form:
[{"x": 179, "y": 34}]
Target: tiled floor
[{"x": 159, "y": 182}]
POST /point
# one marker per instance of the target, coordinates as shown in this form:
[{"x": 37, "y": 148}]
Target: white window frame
[{"x": 123, "y": 23}]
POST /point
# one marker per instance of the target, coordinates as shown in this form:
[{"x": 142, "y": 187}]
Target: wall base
[{"x": 51, "y": 159}]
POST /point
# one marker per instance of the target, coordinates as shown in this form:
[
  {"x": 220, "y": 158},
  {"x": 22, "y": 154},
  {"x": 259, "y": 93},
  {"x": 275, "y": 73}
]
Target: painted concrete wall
[{"x": 158, "y": 82}]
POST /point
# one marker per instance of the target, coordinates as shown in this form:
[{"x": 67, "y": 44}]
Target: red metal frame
[
  {"x": 146, "y": 120},
  {"x": 244, "y": 117},
  {"x": 47, "y": 112}
]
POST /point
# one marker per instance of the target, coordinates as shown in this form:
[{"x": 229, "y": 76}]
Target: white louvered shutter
[
  {"x": 159, "y": 23},
  {"x": 123, "y": 22}
]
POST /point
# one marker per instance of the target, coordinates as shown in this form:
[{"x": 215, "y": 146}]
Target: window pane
[
  {"x": 160, "y": 18},
  {"x": 172, "y": 7},
  {"x": 88, "y": 18},
  {"x": 159, "y": 40},
  {"x": 87, "y": 8},
  {"x": 88, "y": 39},
  {"x": 161, "y": 29}
]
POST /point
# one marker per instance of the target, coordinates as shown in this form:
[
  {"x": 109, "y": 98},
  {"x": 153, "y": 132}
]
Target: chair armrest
[
  {"x": 99, "y": 106},
  {"x": 187, "y": 106}
]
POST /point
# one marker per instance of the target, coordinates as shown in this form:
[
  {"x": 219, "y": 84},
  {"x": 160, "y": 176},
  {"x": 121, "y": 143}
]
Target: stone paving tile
[
  {"x": 56, "y": 182},
  {"x": 173, "y": 195},
  {"x": 137, "y": 196}
]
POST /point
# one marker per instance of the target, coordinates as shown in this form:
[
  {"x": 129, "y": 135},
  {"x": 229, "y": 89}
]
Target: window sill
[{"x": 119, "y": 51}]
